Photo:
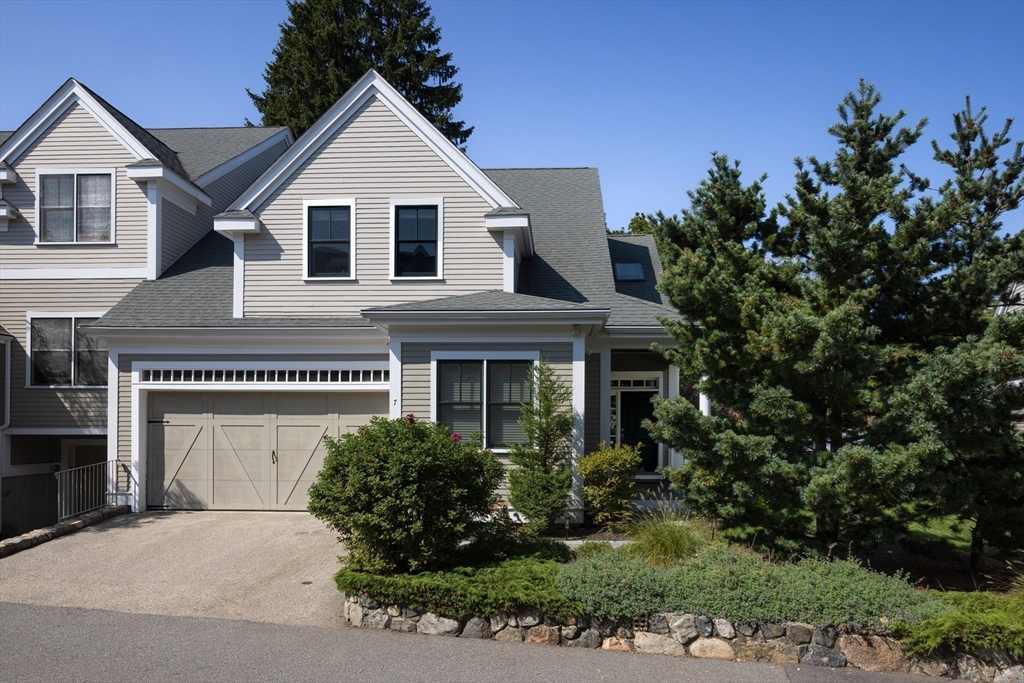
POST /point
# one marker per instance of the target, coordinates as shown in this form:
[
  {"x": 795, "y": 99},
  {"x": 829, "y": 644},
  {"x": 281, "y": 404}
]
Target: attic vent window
[{"x": 629, "y": 272}]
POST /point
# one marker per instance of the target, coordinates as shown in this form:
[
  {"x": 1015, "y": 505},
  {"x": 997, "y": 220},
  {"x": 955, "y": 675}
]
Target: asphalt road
[{"x": 71, "y": 644}]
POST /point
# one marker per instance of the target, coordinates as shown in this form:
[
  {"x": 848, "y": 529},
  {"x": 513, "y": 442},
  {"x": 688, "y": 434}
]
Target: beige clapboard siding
[
  {"x": 180, "y": 230},
  {"x": 226, "y": 189},
  {"x": 374, "y": 158},
  {"x": 124, "y": 380},
  {"x": 75, "y": 139},
  {"x": 40, "y": 407}
]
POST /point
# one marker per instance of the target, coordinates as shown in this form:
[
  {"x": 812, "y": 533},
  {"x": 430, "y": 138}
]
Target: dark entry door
[{"x": 634, "y": 408}]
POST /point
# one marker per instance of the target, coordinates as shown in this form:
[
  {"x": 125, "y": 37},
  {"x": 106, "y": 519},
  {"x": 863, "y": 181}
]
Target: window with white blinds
[{"x": 483, "y": 396}]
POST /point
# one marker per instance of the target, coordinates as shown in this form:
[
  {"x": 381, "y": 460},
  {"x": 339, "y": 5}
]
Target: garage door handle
[{"x": 273, "y": 457}]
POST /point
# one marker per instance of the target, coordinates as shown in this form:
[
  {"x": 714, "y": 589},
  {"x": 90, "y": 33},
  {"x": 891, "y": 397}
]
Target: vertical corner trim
[
  {"x": 238, "y": 288},
  {"x": 579, "y": 391},
  {"x": 509, "y": 261},
  {"x": 395, "y": 370},
  {"x": 154, "y": 220}
]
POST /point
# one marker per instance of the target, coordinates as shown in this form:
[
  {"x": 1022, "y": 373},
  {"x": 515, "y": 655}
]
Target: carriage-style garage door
[{"x": 245, "y": 450}]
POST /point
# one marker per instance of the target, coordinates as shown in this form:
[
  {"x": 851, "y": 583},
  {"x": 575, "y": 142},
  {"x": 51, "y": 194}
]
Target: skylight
[{"x": 629, "y": 272}]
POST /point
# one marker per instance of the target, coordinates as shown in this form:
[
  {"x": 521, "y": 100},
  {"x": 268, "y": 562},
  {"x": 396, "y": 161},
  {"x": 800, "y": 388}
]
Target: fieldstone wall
[{"x": 693, "y": 635}]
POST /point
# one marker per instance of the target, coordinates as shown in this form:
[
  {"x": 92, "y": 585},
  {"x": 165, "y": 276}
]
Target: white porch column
[
  {"x": 139, "y": 426},
  {"x": 579, "y": 385},
  {"x": 238, "y": 278}
]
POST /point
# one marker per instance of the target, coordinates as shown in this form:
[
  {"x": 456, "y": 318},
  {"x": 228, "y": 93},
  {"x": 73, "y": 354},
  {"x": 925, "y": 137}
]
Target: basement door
[{"x": 245, "y": 450}]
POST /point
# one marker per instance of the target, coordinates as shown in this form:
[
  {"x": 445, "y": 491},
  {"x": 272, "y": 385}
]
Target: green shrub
[
  {"x": 743, "y": 587},
  {"x": 591, "y": 548},
  {"x": 663, "y": 536},
  {"x": 540, "y": 484},
  {"x": 978, "y": 620},
  {"x": 511, "y": 586},
  {"x": 609, "y": 480},
  {"x": 404, "y": 494},
  {"x": 610, "y": 585}
]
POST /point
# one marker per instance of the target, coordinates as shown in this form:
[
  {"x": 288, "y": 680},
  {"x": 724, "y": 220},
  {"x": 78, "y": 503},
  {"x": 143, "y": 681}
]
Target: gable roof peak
[{"x": 371, "y": 84}]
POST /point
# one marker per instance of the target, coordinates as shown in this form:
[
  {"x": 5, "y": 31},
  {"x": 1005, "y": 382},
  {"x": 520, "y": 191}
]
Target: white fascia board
[
  {"x": 171, "y": 183},
  {"x": 248, "y": 339},
  {"x": 8, "y": 176},
  {"x": 519, "y": 225},
  {"x": 440, "y": 318},
  {"x": 237, "y": 226},
  {"x": 8, "y": 211},
  {"x": 370, "y": 85},
  {"x": 67, "y": 95},
  {"x": 245, "y": 157}
]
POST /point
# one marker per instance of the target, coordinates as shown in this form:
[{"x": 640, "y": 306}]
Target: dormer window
[
  {"x": 629, "y": 272},
  {"x": 76, "y": 206}
]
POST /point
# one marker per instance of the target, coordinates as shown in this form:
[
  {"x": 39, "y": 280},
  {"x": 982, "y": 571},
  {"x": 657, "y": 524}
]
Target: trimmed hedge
[{"x": 524, "y": 583}]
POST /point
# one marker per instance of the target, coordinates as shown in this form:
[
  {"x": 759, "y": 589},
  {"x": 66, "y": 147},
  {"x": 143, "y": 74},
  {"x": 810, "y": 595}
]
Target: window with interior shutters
[
  {"x": 63, "y": 355},
  {"x": 330, "y": 241},
  {"x": 507, "y": 389},
  {"x": 416, "y": 241},
  {"x": 460, "y": 396},
  {"x": 75, "y": 207}
]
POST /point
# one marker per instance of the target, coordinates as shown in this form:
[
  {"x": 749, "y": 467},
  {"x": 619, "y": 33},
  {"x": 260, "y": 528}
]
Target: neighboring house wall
[
  {"x": 75, "y": 140},
  {"x": 373, "y": 158},
  {"x": 44, "y": 407}
]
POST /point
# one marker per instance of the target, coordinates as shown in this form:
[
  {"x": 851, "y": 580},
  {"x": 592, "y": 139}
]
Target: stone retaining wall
[
  {"x": 690, "y": 635},
  {"x": 33, "y": 538}
]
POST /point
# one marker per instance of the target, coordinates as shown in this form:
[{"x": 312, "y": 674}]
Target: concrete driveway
[{"x": 272, "y": 567}]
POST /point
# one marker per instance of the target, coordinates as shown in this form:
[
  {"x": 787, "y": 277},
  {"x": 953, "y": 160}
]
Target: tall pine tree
[
  {"x": 327, "y": 45},
  {"x": 849, "y": 341}
]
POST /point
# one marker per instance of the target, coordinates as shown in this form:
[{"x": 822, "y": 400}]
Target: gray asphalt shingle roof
[
  {"x": 4, "y": 134},
  {"x": 490, "y": 300},
  {"x": 571, "y": 269},
  {"x": 203, "y": 149}
]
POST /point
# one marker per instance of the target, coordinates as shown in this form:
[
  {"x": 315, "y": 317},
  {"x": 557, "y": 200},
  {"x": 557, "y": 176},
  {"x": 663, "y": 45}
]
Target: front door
[{"x": 635, "y": 407}]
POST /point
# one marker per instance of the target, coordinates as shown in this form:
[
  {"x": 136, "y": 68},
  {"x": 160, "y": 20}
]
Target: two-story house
[
  {"x": 91, "y": 204},
  {"x": 374, "y": 269}
]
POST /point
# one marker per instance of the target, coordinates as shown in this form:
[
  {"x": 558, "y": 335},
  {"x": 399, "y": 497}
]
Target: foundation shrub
[
  {"x": 403, "y": 494},
  {"x": 609, "y": 481}
]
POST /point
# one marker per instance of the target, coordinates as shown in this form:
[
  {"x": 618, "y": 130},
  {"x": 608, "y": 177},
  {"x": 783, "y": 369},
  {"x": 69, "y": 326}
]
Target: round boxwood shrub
[
  {"x": 404, "y": 494},
  {"x": 609, "y": 480}
]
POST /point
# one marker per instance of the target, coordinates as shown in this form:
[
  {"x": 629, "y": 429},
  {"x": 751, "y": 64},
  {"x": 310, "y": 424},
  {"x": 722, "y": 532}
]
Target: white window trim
[
  {"x": 350, "y": 202},
  {"x": 76, "y": 171},
  {"x": 651, "y": 374},
  {"x": 532, "y": 356},
  {"x": 29, "y": 316},
  {"x": 393, "y": 237}
]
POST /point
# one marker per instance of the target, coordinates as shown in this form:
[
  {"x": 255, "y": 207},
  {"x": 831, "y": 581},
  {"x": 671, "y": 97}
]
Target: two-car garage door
[{"x": 231, "y": 450}]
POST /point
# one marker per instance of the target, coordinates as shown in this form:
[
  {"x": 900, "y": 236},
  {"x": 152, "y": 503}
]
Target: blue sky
[{"x": 643, "y": 90}]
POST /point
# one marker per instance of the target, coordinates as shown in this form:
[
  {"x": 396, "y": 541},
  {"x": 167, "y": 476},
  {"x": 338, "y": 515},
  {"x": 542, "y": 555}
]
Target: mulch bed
[{"x": 942, "y": 567}]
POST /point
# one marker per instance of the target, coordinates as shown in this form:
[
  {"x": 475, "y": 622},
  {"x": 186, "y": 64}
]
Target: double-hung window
[
  {"x": 483, "y": 396},
  {"x": 76, "y": 206},
  {"x": 329, "y": 235},
  {"x": 64, "y": 356},
  {"x": 416, "y": 241}
]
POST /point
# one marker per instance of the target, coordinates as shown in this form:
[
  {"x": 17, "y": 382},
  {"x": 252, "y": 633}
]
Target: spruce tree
[
  {"x": 327, "y": 45},
  {"x": 848, "y": 339}
]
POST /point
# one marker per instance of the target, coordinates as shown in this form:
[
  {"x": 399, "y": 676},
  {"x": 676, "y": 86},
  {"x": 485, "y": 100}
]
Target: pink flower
[
  {"x": 410, "y": 418},
  {"x": 456, "y": 437}
]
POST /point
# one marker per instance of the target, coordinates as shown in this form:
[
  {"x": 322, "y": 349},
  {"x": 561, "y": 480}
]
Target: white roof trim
[
  {"x": 246, "y": 156},
  {"x": 176, "y": 182},
  {"x": 370, "y": 85},
  {"x": 237, "y": 226},
  {"x": 67, "y": 95}
]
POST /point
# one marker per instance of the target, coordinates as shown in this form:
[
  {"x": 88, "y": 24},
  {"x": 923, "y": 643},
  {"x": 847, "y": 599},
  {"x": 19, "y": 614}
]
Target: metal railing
[{"x": 82, "y": 489}]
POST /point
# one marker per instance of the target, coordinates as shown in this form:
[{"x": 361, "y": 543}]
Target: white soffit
[{"x": 370, "y": 85}]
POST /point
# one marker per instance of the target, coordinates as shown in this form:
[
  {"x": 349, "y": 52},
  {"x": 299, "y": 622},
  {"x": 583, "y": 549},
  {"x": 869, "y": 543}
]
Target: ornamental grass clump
[
  {"x": 403, "y": 494},
  {"x": 663, "y": 535}
]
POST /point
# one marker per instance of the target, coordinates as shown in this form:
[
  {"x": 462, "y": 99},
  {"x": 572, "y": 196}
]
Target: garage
[{"x": 230, "y": 450}]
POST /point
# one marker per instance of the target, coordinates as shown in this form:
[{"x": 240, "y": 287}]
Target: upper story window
[
  {"x": 416, "y": 241},
  {"x": 483, "y": 396},
  {"x": 76, "y": 206},
  {"x": 330, "y": 239},
  {"x": 629, "y": 272},
  {"x": 62, "y": 355}
]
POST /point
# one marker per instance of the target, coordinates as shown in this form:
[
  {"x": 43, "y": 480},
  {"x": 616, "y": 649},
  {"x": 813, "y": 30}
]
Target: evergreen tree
[
  {"x": 849, "y": 341},
  {"x": 539, "y": 486},
  {"x": 639, "y": 225},
  {"x": 327, "y": 45}
]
